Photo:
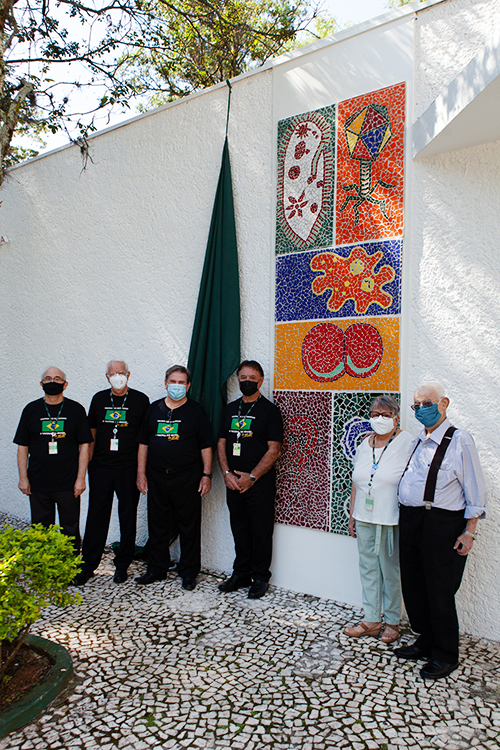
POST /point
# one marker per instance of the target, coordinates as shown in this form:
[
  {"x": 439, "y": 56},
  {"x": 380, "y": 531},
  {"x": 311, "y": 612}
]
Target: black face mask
[
  {"x": 248, "y": 387},
  {"x": 53, "y": 389}
]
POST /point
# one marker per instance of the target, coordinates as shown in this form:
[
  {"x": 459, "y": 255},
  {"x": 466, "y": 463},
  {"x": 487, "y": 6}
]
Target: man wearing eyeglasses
[
  {"x": 115, "y": 417},
  {"x": 53, "y": 439},
  {"x": 442, "y": 493}
]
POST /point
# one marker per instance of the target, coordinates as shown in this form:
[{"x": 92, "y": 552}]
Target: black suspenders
[
  {"x": 437, "y": 460},
  {"x": 430, "y": 485}
]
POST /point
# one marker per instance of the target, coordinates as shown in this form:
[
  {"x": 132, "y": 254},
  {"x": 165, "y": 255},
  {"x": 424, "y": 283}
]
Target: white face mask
[
  {"x": 382, "y": 425},
  {"x": 118, "y": 381}
]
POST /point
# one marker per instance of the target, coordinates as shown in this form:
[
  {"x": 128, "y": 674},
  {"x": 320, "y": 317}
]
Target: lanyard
[
  {"x": 113, "y": 403},
  {"x": 244, "y": 415},
  {"x": 48, "y": 412},
  {"x": 375, "y": 463}
]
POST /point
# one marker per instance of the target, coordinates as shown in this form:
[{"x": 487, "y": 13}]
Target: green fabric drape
[{"x": 214, "y": 353}]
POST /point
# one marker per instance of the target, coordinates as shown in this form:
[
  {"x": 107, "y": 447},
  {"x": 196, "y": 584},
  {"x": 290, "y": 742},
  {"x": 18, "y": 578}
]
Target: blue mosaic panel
[
  {"x": 341, "y": 282},
  {"x": 351, "y": 423}
]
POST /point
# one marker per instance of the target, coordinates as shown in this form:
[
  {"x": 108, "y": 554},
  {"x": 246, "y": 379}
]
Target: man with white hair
[
  {"x": 53, "y": 439},
  {"x": 115, "y": 417},
  {"x": 442, "y": 493}
]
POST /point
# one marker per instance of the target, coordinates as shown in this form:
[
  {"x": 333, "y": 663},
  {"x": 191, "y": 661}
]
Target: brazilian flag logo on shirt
[
  {"x": 241, "y": 424},
  {"x": 114, "y": 415},
  {"x": 52, "y": 425},
  {"x": 167, "y": 428}
]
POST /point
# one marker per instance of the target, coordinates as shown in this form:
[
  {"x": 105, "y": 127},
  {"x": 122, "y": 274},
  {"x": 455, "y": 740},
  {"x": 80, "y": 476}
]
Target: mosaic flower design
[
  {"x": 304, "y": 468},
  {"x": 305, "y": 178},
  {"x": 352, "y": 278},
  {"x": 299, "y": 296}
]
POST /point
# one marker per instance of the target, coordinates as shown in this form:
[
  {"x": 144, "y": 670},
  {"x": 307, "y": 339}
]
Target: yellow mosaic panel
[{"x": 344, "y": 355}]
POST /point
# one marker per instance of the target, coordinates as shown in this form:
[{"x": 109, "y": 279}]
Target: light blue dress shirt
[{"x": 460, "y": 481}]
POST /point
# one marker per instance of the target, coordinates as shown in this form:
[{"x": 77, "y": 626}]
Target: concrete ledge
[{"x": 37, "y": 700}]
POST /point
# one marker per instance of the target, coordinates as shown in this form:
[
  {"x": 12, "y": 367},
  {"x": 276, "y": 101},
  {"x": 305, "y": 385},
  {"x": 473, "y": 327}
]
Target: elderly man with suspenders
[{"x": 442, "y": 494}]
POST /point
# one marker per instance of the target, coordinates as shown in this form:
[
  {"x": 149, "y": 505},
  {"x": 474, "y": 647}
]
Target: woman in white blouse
[{"x": 378, "y": 465}]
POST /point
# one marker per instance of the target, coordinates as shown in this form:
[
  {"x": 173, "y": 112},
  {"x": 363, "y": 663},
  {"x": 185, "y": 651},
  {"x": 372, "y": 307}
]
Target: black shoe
[
  {"x": 434, "y": 669},
  {"x": 258, "y": 589},
  {"x": 188, "y": 583},
  {"x": 234, "y": 583},
  {"x": 82, "y": 577},
  {"x": 149, "y": 578},
  {"x": 412, "y": 653},
  {"x": 120, "y": 576}
]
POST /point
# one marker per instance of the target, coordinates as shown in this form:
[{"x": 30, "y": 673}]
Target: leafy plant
[{"x": 36, "y": 566}]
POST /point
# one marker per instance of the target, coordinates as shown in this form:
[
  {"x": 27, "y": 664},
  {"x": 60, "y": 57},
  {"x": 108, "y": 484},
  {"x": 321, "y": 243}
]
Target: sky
[{"x": 346, "y": 12}]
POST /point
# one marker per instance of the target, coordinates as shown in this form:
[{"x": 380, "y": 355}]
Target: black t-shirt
[
  {"x": 53, "y": 472},
  {"x": 126, "y": 413},
  {"x": 257, "y": 422},
  {"x": 175, "y": 437}
]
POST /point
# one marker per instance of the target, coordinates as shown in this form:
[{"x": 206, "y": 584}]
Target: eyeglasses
[
  {"x": 386, "y": 414},
  {"x": 122, "y": 372},
  {"x": 57, "y": 379},
  {"x": 416, "y": 406}
]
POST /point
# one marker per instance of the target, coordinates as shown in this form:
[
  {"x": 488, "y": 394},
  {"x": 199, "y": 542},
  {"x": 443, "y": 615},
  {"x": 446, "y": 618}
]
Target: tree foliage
[
  {"x": 36, "y": 567},
  {"x": 118, "y": 49}
]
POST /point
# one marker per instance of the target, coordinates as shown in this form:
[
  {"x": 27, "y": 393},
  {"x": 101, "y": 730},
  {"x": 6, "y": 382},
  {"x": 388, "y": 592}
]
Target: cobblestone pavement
[{"x": 159, "y": 667}]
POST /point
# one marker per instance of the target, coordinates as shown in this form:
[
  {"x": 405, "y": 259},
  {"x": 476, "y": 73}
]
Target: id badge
[
  {"x": 113, "y": 444},
  {"x": 369, "y": 503},
  {"x": 52, "y": 448},
  {"x": 236, "y": 449}
]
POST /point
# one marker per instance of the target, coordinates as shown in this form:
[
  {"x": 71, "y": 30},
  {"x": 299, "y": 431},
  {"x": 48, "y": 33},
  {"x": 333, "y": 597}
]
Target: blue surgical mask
[
  {"x": 428, "y": 415},
  {"x": 176, "y": 391}
]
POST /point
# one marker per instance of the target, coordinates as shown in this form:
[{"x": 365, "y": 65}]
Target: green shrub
[{"x": 36, "y": 566}]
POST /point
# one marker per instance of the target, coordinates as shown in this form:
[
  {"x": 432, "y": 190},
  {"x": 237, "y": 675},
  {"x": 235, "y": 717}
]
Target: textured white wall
[
  {"x": 455, "y": 319},
  {"x": 447, "y": 36},
  {"x": 106, "y": 263}
]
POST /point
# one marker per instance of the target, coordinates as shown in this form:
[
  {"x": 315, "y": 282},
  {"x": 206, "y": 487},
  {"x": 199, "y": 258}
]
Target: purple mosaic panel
[{"x": 303, "y": 496}]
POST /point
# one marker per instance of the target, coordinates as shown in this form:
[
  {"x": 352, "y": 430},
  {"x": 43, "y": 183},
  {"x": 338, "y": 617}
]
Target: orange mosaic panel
[
  {"x": 370, "y": 166},
  {"x": 345, "y": 355}
]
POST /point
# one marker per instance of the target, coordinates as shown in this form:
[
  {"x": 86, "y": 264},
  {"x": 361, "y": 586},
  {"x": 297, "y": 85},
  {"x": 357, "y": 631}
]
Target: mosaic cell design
[
  {"x": 350, "y": 425},
  {"x": 347, "y": 355},
  {"x": 304, "y": 468},
  {"x": 370, "y": 166},
  {"x": 306, "y": 147},
  {"x": 340, "y": 282}
]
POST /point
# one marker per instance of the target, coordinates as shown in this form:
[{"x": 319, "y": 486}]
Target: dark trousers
[
  {"x": 251, "y": 514},
  {"x": 43, "y": 510},
  {"x": 431, "y": 573},
  {"x": 103, "y": 483},
  {"x": 174, "y": 500}
]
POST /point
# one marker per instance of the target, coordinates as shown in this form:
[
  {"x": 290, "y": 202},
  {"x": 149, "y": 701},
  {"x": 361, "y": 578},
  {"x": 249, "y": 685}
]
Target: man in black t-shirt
[
  {"x": 174, "y": 467},
  {"x": 53, "y": 439},
  {"x": 250, "y": 441},
  {"x": 115, "y": 417}
]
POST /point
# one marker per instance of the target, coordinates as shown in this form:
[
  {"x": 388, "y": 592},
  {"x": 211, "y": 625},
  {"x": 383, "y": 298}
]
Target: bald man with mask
[{"x": 53, "y": 439}]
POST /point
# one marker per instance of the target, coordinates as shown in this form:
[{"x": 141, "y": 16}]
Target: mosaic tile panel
[
  {"x": 340, "y": 283},
  {"x": 304, "y": 468},
  {"x": 347, "y": 355},
  {"x": 306, "y": 148},
  {"x": 370, "y": 166},
  {"x": 350, "y": 424}
]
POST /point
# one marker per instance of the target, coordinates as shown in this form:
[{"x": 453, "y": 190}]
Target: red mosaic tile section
[
  {"x": 304, "y": 468},
  {"x": 370, "y": 166}
]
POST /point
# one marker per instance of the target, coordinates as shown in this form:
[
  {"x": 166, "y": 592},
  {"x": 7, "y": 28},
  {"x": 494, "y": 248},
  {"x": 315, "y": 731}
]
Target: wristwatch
[
  {"x": 226, "y": 472},
  {"x": 469, "y": 533},
  {"x": 253, "y": 479},
  {"x": 208, "y": 475}
]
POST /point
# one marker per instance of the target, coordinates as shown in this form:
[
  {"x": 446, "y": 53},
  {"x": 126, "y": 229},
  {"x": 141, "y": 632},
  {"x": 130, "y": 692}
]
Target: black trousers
[
  {"x": 174, "y": 500},
  {"x": 103, "y": 483},
  {"x": 43, "y": 510},
  {"x": 431, "y": 573},
  {"x": 251, "y": 514}
]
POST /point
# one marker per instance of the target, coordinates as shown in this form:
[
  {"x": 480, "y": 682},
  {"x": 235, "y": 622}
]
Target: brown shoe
[
  {"x": 390, "y": 634},
  {"x": 357, "y": 631}
]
